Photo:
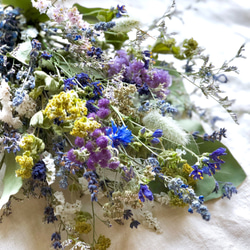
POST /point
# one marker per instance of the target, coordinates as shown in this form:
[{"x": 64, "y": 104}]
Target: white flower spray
[
  {"x": 170, "y": 128},
  {"x": 6, "y": 112},
  {"x": 27, "y": 108}
]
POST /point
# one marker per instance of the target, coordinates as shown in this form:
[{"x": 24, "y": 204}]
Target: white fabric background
[{"x": 221, "y": 27}]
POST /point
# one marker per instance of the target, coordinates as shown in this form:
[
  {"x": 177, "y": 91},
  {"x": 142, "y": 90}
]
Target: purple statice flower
[
  {"x": 145, "y": 192},
  {"x": 39, "y": 171},
  {"x": 136, "y": 73},
  {"x": 159, "y": 76},
  {"x": 196, "y": 173},
  {"x": 119, "y": 135},
  {"x": 103, "y": 103},
  {"x": 117, "y": 63},
  {"x": 79, "y": 142},
  {"x": 216, "y": 154},
  {"x": 103, "y": 113}
]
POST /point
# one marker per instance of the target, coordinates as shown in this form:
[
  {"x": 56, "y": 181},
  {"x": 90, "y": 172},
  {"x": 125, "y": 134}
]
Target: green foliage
[
  {"x": 22, "y": 52},
  {"x": 186, "y": 50},
  {"x": 116, "y": 39},
  {"x": 90, "y": 15},
  {"x": 31, "y": 14},
  {"x": 231, "y": 171},
  {"x": 9, "y": 183}
]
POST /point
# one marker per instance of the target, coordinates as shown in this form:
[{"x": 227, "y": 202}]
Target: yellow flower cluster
[
  {"x": 84, "y": 125},
  {"x": 65, "y": 106},
  {"x": 83, "y": 227},
  {"x": 26, "y": 163},
  {"x": 102, "y": 243}
]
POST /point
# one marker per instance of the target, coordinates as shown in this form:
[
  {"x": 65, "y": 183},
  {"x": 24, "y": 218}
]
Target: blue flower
[
  {"x": 120, "y": 10},
  {"x": 46, "y": 56},
  {"x": 215, "y": 155},
  {"x": 134, "y": 223},
  {"x": 127, "y": 214},
  {"x": 196, "y": 173},
  {"x": 158, "y": 133},
  {"x": 39, "y": 171},
  {"x": 228, "y": 189},
  {"x": 69, "y": 83},
  {"x": 145, "y": 192},
  {"x": 119, "y": 135}
]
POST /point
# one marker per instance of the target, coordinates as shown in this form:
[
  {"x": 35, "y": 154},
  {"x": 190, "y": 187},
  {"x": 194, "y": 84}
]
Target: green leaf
[
  {"x": 116, "y": 39},
  {"x": 161, "y": 48},
  {"x": 157, "y": 186},
  {"x": 231, "y": 171},
  {"x": 89, "y": 14},
  {"x": 9, "y": 184},
  {"x": 22, "y": 52},
  {"x": 31, "y": 13}
]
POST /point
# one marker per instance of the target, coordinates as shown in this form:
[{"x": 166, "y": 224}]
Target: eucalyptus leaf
[
  {"x": 10, "y": 184},
  {"x": 22, "y": 52},
  {"x": 89, "y": 14},
  {"x": 161, "y": 48}
]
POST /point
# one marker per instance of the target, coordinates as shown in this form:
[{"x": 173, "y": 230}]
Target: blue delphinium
[
  {"x": 69, "y": 83},
  {"x": 196, "y": 173},
  {"x": 216, "y": 154},
  {"x": 145, "y": 192},
  {"x": 121, "y": 10},
  {"x": 46, "y": 55},
  {"x": 93, "y": 184},
  {"x": 119, "y": 135}
]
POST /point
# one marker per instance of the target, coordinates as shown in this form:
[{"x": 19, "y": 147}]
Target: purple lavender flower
[{"x": 114, "y": 164}]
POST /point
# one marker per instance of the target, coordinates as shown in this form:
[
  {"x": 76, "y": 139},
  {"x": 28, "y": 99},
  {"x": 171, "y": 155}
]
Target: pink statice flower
[{"x": 41, "y": 5}]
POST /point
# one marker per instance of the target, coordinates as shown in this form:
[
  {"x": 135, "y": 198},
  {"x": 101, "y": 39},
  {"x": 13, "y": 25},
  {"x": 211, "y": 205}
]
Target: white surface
[{"x": 221, "y": 27}]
